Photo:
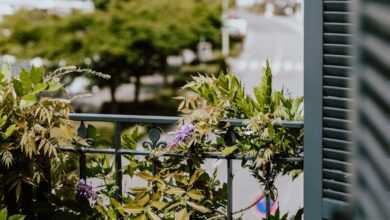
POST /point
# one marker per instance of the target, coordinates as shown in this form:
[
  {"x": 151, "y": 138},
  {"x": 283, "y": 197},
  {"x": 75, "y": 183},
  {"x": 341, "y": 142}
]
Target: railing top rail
[
  {"x": 209, "y": 155},
  {"x": 156, "y": 119}
]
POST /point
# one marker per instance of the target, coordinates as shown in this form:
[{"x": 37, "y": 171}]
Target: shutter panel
[
  {"x": 327, "y": 107},
  {"x": 336, "y": 123},
  {"x": 372, "y": 138}
]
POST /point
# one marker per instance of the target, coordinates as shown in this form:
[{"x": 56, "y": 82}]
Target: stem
[
  {"x": 137, "y": 88},
  {"x": 248, "y": 207}
]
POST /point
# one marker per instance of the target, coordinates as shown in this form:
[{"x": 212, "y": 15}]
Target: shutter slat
[
  {"x": 336, "y": 70},
  {"x": 336, "y": 112},
  {"x": 379, "y": 84},
  {"x": 378, "y": 48},
  {"x": 381, "y": 158},
  {"x": 337, "y": 81},
  {"x": 339, "y": 6},
  {"x": 336, "y": 133},
  {"x": 337, "y": 123},
  {"x": 377, "y": 120},
  {"x": 338, "y": 49},
  {"x": 340, "y": 155},
  {"x": 336, "y": 143},
  {"x": 337, "y": 165},
  {"x": 378, "y": 14},
  {"x": 337, "y": 38},
  {"x": 373, "y": 183},
  {"x": 336, "y": 102},
  {"x": 336, "y": 194},
  {"x": 336, "y": 27},
  {"x": 336, "y": 16},
  {"x": 334, "y": 59},
  {"x": 337, "y": 175},
  {"x": 368, "y": 205},
  {"x": 336, "y": 91}
]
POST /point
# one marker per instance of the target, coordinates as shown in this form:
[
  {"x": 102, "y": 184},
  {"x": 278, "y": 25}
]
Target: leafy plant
[
  {"x": 263, "y": 142},
  {"x": 4, "y": 215},
  {"x": 181, "y": 188},
  {"x": 175, "y": 187},
  {"x": 31, "y": 119}
]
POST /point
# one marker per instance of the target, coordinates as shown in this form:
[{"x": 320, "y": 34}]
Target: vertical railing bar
[
  {"x": 154, "y": 167},
  {"x": 230, "y": 189},
  {"x": 267, "y": 203},
  {"x": 268, "y": 193},
  {"x": 83, "y": 133},
  {"x": 83, "y": 166},
  {"x": 118, "y": 158}
]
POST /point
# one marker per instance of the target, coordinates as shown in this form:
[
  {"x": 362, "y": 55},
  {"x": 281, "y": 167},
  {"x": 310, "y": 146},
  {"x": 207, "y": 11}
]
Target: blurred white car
[{"x": 236, "y": 27}]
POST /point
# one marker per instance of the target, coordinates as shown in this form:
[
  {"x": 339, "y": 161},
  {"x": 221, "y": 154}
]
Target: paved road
[{"x": 279, "y": 39}]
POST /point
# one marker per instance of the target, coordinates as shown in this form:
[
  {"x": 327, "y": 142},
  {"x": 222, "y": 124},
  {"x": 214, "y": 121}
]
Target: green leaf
[
  {"x": 118, "y": 206},
  {"x": 36, "y": 75},
  {"x": 10, "y": 130},
  {"x": 54, "y": 86},
  {"x": 195, "y": 176},
  {"x": 263, "y": 93},
  {"x": 134, "y": 210},
  {"x": 18, "y": 190},
  {"x": 3, "y": 120},
  {"x": 16, "y": 217},
  {"x": 195, "y": 195},
  {"x": 39, "y": 88},
  {"x": 198, "y": 207},
  {"x": 229, "y": 150},
  {"x": 28, "y": 100},
  {"x": 143, "y": 201},
  {"x": 3, "y": 214},
  {"x": 152, "y": 215},
  {"x": 172, "y": 206},
  {"x": 141, "y": 217},
  {"x": 6, "y": 73},
  {"x": 25, "y": 79},
  {"x": 91, "y": 132},
  {"x": 158, "y": 204},
  {"x": 18, "y": 87},
  {"x": 182, "y": 215},
  {"x": 24, "y": 76},
  {"x": 175, "y": 191},
  {"x": 145, "y": 175}
]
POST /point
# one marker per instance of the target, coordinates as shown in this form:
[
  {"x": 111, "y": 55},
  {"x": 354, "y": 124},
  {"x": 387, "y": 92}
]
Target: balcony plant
[
  {"x": 181, "y": 188},
  {"x": 175, "y": 187},
  {"x": 30, "y": 118}
]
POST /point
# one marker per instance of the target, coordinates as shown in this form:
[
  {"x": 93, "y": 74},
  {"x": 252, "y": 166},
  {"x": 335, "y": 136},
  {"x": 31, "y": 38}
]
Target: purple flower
[
  {"x": 182, "y": 134},
  {"x": 86, "y": 191}
]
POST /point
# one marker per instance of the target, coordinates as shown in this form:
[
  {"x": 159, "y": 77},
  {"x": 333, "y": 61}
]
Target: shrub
[{"x": 30, "y": 118}]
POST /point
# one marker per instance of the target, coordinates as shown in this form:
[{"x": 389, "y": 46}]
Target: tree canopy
[{"x": 122, "y": 38}]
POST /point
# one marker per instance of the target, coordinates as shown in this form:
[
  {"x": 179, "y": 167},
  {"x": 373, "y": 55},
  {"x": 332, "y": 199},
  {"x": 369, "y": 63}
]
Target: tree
[{"x": 121, "y": 38}]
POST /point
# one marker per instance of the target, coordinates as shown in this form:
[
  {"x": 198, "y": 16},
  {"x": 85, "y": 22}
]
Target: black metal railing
[{"x": 154, "y": 136}]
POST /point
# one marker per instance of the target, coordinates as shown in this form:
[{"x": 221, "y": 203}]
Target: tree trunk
[
  {"x": 114, "y": 103},
  {"x": 137, "y": 88},
  {"x": 165, "y": 78}
]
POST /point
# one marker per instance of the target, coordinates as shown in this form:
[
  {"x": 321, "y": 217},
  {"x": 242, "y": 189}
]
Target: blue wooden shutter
[
  {"x": 372, "y": 133},
  {"x": 327, "y": 107}
]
